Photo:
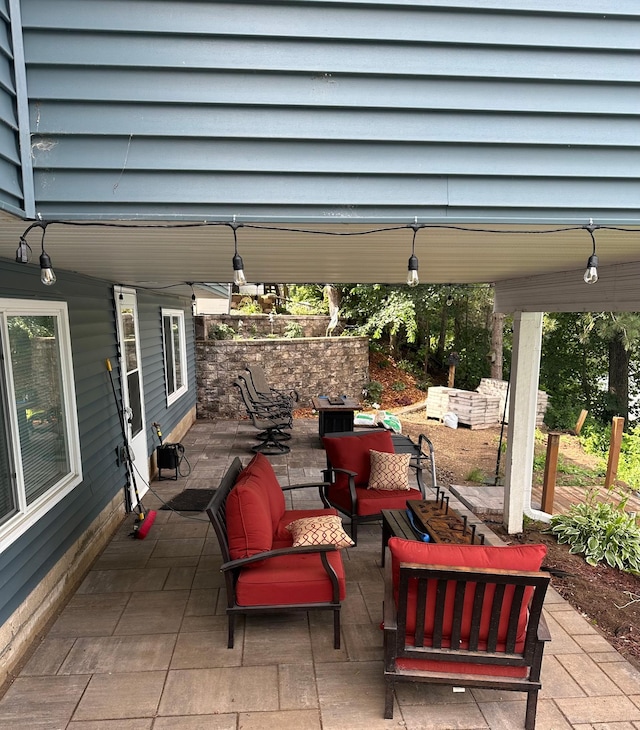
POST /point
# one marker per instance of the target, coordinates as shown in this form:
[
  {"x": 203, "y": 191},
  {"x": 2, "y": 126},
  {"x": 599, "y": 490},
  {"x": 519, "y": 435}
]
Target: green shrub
[
  {"x": 476, "y": 475},
  {"x": 372, "y": 391},
  {"x": 249, "y": 306},
  {"x": 293, "y": 330},
  {"x": 398, "y": 386},
  {"x": 600, "y": 531},
  {"x": 221, "y": 332},
  {"x": 423, "y": 384}
]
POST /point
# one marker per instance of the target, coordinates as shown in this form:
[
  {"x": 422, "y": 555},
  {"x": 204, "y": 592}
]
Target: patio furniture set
[
  {"x": 270, "y": 410},
  {"x": 456, "y": 611}
]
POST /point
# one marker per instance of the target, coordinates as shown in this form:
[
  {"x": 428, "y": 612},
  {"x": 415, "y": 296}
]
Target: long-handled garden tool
[{"x": 144, "y": 520}]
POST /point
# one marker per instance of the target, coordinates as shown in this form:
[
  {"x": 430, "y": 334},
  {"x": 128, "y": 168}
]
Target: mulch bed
[{"x": 601, "y": 593}]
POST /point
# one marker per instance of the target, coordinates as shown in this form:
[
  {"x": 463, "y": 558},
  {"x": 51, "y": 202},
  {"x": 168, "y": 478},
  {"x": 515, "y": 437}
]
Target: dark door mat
[{"x": 190, "y": 500}]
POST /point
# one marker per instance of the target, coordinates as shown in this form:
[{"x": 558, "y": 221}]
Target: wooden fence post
[
  {"x": 617, "y": 424},
  {"x": 580, "y": 423},
  {"x": 550, "y": 472}
]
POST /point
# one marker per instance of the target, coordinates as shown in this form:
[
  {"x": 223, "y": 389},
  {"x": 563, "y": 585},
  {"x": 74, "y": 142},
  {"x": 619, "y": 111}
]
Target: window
[
  {"x": 39, "y": 443},
  {"x": 175, "y": 353}
]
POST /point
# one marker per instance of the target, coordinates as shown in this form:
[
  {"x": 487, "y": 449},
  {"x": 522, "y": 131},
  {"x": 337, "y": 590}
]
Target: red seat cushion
[
  {"x": 371, "y": 501},
  {"x": 249, "y": 529},
  {"x": 282, "y": 536},
  {"x": 490, "y": 670},
  {"x": 290, "y": 579},
  {"x": 509, "y": 557},
  {"x": 261, "y": 470},
  {"x": 352, "y": 453}
]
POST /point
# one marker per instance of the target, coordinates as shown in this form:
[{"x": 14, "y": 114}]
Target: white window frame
[
  {"x": 28, "y": 514},
  {"x": 179, "y": 392}
]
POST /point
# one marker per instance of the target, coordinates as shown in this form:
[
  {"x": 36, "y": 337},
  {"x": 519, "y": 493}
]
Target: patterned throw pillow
[
  {"x": 389, "y": 471},
  {"x": 322, "y": 530}
]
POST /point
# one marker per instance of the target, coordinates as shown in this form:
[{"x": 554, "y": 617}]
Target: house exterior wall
[
  {"x": 12, "y": 97},
  {"x": 514, "y": 110},
  {"x": 74, "y": 527}
]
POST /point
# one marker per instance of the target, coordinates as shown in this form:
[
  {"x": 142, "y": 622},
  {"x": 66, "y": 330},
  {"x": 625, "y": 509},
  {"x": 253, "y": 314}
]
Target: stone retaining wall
[
  {"x": 311, "y": 366},
  {"x": 262, "y": 325}
]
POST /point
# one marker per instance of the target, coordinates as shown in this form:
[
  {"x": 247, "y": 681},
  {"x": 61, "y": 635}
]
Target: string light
[
  {"x": 48, "y": 276},
  {"x": 591, "y": 272},
  {"x": 239, "y": 279},
  {"x": 412, "y": 267}
]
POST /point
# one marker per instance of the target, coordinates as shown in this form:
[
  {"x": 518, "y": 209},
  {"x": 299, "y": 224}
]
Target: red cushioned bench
[{"x": 275, "y": 559}]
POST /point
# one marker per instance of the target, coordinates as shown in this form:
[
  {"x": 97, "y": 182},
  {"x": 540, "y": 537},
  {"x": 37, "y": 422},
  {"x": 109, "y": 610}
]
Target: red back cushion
[
  {"x": 352, "y": 453},
  {"x": 509, "y": 557},
  {"x": 249, "y": 529},
  {"x": 260, "y": 469}
]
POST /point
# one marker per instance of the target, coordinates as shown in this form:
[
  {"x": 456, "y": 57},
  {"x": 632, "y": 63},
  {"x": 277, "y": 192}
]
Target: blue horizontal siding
[
  {"x": 11, "y": 184},
  {"x": 93, "y": 338},
  {"x": 277, "y": 109}
]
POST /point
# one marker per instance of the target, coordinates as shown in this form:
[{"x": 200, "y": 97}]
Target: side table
[{"x": 335, "y": 417}]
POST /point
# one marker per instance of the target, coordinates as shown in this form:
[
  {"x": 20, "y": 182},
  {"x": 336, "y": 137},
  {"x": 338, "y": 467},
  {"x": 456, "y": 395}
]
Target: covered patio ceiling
[{"x": 169, "y": 254}]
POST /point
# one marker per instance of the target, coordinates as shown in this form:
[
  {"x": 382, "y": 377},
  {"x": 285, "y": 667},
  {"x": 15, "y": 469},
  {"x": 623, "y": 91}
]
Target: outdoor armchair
[
  {"x": 465, "y": 616},
  {"x": 361, "y": 484}
]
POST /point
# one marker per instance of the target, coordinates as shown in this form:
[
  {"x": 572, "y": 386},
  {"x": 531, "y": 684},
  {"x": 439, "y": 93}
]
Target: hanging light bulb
[
  {"x": 47, "y": 275},
  {"x": 193, "y": 300},
  {"x": 239, "y": 278},
  {"x": 591, "y": 272},
  {"x": 412, "y": 268}
]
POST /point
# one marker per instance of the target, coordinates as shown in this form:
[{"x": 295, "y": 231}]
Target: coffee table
[
  {"x": 335, "y": 416},
  {"x": 433, "y": 517}
]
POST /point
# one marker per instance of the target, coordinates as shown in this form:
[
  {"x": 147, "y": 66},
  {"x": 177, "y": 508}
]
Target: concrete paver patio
[{"x": 141, "y": 645}]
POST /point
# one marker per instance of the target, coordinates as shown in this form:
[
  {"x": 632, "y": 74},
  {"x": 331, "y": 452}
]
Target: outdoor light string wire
[{"x": 22, "y": 253}]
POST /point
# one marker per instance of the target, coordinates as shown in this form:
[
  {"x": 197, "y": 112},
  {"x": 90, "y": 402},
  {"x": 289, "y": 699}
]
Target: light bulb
[
  {"x": 239, "y": 278},
  {"x": 412, "y": 273},
  {"x": 47, "y": 275},
  {"x": 591, "y": 272}
]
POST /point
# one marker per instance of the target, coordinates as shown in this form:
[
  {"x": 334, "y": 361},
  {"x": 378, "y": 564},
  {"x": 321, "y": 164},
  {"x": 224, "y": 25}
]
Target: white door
[{"x": 131, "y": 385}]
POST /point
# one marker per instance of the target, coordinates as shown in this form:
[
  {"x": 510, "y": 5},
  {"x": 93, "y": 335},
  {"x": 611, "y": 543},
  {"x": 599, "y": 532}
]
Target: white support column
[{"x": 525, "y": 371}]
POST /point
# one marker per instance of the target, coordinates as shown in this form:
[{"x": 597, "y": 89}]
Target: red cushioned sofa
[
  {"x": 263, "y": 571},
  {"x": 465, "y": 615}
]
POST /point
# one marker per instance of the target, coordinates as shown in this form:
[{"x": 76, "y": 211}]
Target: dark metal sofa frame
[{"x": 216, "y": 510}]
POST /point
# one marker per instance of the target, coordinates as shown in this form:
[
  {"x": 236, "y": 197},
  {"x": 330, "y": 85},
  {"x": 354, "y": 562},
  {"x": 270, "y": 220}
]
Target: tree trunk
[
  {"x": 333, "y": 298},
  {"x": 618, "y": 379},
  {"x": 497, "y": 340},
  {"x": 427, "y": 347},
  {"x": 442, "y": 339},
  {"x": 393, "y": 343}
]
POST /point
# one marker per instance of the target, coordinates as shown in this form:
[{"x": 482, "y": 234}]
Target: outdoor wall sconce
[
  {"x": 591, "y": 272},
  {"x": 412, "y": 268},
  {"x": 239, "y": 279}
]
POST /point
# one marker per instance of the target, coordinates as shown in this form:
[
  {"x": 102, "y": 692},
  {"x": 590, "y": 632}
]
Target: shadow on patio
[{"x": 141, "y": 645}]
